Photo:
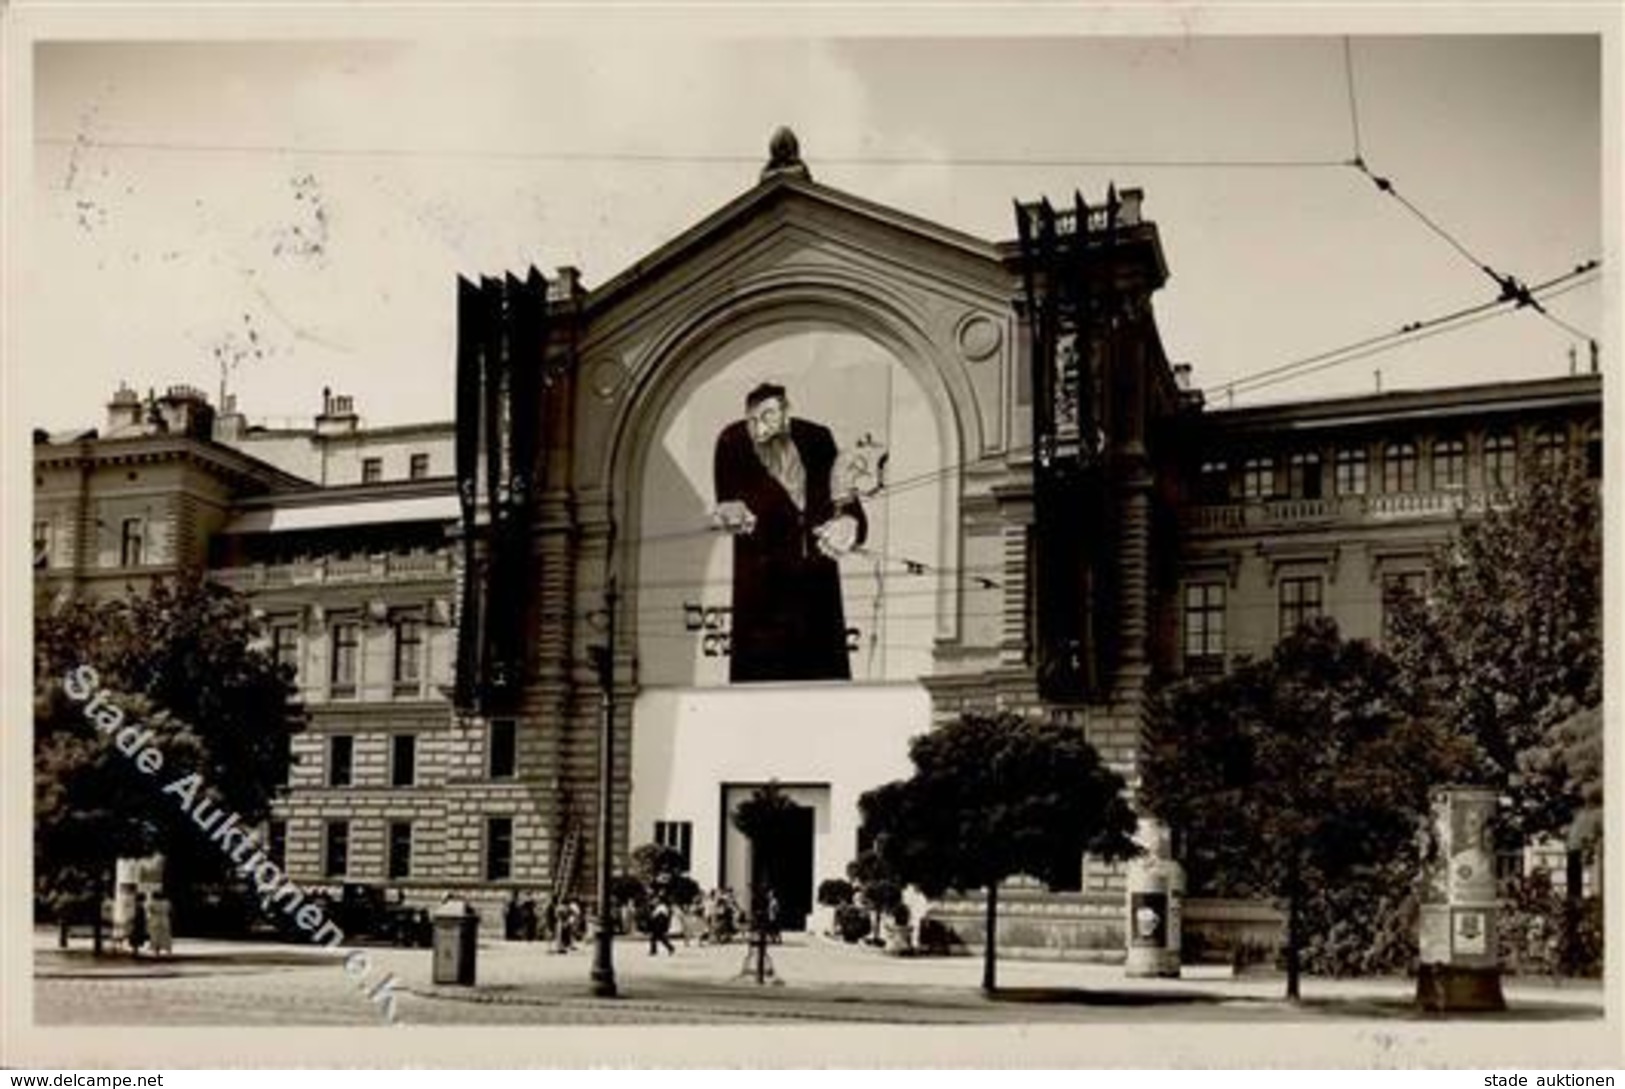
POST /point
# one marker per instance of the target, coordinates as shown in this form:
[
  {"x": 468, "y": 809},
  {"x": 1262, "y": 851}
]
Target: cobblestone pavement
[{"x": 218, "y": 983}]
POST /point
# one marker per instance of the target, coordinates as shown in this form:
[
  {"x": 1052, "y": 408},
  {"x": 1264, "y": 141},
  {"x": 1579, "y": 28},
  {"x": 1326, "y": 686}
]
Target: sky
[{"x": 301, "y": 210}]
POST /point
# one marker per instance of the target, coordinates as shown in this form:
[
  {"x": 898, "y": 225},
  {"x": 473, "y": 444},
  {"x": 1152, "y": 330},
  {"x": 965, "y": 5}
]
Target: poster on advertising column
[{"x": 790, "y": 525}]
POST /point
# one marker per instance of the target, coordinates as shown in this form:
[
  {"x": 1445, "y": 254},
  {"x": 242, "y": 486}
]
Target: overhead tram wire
[
  {"x": 1580, "y": 275},
  {"x": 1512, "y": 289},
  {"x": 1415, "y": 335}
]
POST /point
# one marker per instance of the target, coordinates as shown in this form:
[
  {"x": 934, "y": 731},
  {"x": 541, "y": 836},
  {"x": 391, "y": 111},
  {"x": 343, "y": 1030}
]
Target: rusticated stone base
[{"x": 1442, "y": 988}]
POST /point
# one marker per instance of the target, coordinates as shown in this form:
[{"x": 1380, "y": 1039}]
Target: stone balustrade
[
  {"x": 1220, "y": 518},
  {"x": 392, "y": 567}
]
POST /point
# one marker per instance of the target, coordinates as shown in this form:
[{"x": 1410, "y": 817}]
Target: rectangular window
[
  {"x": 1551, "y": 448},
  {"x": 1396, "y": 587},
  {"x": 679, "y": 836},
  {"x": 1500, "y": 462},
  {"x": 400, "y": 849},
  {"x": 1258, "y": 478},
  {"x": 1214, "y": 483},
  {"x": 408, "y": 655},
  {"x": 276, "y": 842},
  {"x": 42, "y": 544},
  {"x": 498, "y": 848},
  {"x": 1303, "y": 472},
  {"x": 285, "y": 648},
  {"x": 346, "y": 640},
  {"x": 419, "y": 467},
  {"x": 130, "y": 542},
  {"x": 502, "y": 746},
  {"x": 340, "y": 760},
  {"x": 1350, "y": 471},
  {"x": 372, "y": 470},
  {"x": 336, "y": 849},
  {"x": 1449, "y": 463},
  {"x": 1300, "y": 601},
  {"x": 1399, "y": 467},
  {"x": 1204, "y": 626},
  {"x": 403, "y": 760}
]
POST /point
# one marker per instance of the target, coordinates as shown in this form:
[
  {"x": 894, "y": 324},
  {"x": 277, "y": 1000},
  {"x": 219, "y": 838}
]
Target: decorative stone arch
[{"x": 791, "y": 298}]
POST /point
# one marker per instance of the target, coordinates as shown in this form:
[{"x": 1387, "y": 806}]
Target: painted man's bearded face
[{"x": 767, "y": 419}]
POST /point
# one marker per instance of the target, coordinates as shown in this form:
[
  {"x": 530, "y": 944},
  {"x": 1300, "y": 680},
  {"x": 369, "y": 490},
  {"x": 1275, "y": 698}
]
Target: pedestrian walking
[
  {"x": 138, "y": 925},
  {"x": 160, "y": 922},
  {"x": 510, "y": 917},
  {"x": 527, "y": 919},
  {"x": 660, "y": 928}
]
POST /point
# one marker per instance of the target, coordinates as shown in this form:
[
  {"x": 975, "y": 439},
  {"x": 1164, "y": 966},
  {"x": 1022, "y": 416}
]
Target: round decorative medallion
[
  {"x": 606, "y": 378},
  {"x": 979, "y": 337}
]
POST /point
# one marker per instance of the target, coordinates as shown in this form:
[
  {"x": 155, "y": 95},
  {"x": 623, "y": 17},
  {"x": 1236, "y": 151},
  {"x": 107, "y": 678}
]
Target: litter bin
[{"x": 456, "y": 937}]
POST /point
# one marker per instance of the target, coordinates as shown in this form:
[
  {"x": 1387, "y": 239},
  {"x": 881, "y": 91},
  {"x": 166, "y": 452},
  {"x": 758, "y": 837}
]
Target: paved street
[{"x": 211, "y": 983}]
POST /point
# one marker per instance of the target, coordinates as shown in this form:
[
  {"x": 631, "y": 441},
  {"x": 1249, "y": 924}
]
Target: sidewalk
[{"x": 818, "y": 979}]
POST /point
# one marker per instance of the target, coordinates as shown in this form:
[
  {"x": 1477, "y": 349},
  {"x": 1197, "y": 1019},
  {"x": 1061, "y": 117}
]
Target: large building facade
[{"x": 443, "y": 591}]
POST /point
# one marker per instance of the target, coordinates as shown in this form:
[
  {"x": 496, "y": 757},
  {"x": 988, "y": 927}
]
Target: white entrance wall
[{"x": 827, "y": 743}]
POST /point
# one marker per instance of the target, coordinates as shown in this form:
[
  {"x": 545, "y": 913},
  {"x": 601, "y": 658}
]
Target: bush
[
  {"x": 1535, "y": 930},
  {"x": 901, "y": 914},
  {"x": 851, "y": 922},
  {"x": 834, "y": 892},
  {"x": 937, "y": 937},
  {"x": 1365, "y": 927}
]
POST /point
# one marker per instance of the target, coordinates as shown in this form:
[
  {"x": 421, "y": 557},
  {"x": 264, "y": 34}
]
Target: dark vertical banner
[
  {"x": 467, "y": 468},
  {"x": 1068, "y": 281},
  {"x": 501, "y": 350}
]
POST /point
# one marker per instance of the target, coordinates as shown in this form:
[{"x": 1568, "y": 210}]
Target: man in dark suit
[{"x": 790, "y": 519}]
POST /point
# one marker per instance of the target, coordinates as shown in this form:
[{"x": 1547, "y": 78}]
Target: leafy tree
[
  {"x": 1507, "y": 645},
  {"x": 178, "y": 660},
  {"x": 659, "y": 869},
  {"x": 878, "y": 887},
  {"x": 992, "y": 797},
  {"x": 1294, "y": 775},
  {"x": 835, "y": 892}
]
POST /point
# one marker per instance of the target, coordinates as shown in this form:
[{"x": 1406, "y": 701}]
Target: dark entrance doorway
[
  {"x": 790, "y": 871},
  {"x": 785, "y": 862}
]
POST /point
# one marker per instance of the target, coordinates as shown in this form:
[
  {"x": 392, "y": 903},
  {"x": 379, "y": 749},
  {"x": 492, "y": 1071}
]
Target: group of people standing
[
  {"x": 150, "y": 923},
  {"x": 713, "y": 919},
  {"x": 561, "y": 922}
]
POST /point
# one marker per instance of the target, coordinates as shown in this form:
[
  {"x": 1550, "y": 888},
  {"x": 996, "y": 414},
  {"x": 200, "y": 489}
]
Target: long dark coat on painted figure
[{"x": 788, "y": 623}]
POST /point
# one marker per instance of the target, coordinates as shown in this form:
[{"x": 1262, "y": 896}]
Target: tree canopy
[
  {"x": 992, "y": 797},
  {"x": 180, "y": 660},
  {"x": 1294, "y": 772},
  {"x": 1507, "y": 645}
]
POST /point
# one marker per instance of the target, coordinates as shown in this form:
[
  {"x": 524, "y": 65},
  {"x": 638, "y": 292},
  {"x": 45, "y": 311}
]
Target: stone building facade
[{"x": 913, "y": 343}]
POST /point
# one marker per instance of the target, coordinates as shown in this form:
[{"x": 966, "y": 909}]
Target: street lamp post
[{"x": 603, "y": 961}]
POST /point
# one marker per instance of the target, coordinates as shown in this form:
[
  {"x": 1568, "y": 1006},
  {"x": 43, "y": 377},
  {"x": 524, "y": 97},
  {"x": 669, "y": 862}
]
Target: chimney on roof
[
  {"x": 185, "y": 410},
  {"x": 229, "y": 425},
  {"x": 338, "y": 416},
  {"x": 1128, "y": 206},
  {"x": 124, "y": 410}
]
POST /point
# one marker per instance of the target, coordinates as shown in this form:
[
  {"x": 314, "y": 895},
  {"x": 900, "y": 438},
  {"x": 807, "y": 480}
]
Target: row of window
[
  {"x": 132, "y": 548},
  {"x": 343, "y": 654},
  {"x": 501, "y": 752},
  {"x": 1400, "y": 468},
  {"x": 1298, "y": 599},
  {"x": 398, "y": 838},
  {"x": 372, "y": 469}
]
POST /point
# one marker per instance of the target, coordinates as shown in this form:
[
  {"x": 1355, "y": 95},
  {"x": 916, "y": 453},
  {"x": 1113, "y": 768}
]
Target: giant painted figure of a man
[{"x": 777, "y": 493}]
